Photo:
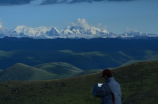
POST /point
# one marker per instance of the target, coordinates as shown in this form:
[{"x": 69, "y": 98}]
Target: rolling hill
[
  {"x": 86, "y": 72},
  {"x": 138, "y": 81},
  {"x": 85, "y": 54},
  {"x": 23, "y": 72},
  {"x": 59, "y": 68},
  {"x": 47, "y": 71},
  {"x": 83, "y": 60}
]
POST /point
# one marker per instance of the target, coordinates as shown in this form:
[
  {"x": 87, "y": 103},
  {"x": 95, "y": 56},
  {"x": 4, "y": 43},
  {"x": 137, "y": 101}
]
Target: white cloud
[{"x": 80, "y": 23}]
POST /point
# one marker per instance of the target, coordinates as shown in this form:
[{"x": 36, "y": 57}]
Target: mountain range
[
  {"x": 79, "y": 29},
  {"x": 52, "y": 32}
]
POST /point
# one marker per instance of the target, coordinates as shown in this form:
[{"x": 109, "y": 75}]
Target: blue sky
[{"x": 115, "y": 16}]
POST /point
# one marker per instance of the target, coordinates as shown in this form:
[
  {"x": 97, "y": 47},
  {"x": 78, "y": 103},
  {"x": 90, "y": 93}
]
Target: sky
[{"x": 117, "y": 16}]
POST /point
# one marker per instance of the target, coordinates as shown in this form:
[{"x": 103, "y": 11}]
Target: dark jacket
[{"x": 110, "y": 92}]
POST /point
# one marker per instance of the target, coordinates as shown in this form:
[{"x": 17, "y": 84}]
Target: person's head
[{"x": 106, "y": 74}]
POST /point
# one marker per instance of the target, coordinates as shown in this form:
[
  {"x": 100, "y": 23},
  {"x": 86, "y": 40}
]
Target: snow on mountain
[
  {"x": 135, "y": 34},
  {"x": 53, "y": 32},
  {"x": 131, "y": 34},
  {"x": 81, "y": 29},
  {"x": 39, "y": 32},
  {"x": 78, "y": 29},
  {"x": 3, "y": 32},
  {"x": 24, "y": 31},
  {"x": 67, "y": 32}
]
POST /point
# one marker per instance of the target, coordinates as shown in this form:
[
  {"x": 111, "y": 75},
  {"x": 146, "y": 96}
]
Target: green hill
[
  {"x": 86, "y": 72},
  {"x": 59, "y": 68},
  {"x": 23, "y": 72},
  {"x": 82, "y": 60},
  {"x": 138, "y": 81},
  {"x": 47, "y": 71}
]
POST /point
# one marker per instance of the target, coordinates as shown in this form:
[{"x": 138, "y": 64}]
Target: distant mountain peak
[
  {"x": 134, "y": 34},
  {"x": 3, "y": 31},
  {"x": 21, "y": 29},
  {"x": 81, "y": 29},
  {"x": 25, "y": 31},
  {"x": 53, "y": 32},
  {"x": 78, "y": 29}
]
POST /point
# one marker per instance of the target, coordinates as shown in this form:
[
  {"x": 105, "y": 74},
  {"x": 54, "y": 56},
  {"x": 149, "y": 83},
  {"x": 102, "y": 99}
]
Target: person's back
[
  {"x": 115, "y": 89},
  {"x": 110, "y": 92}
]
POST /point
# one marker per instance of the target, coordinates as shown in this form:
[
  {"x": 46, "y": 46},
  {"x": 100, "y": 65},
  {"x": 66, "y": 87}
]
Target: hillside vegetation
[
  {"x": 46, "y": 71},
  {"x": 83, "y": 60},
  {"x": 59, "y": 68},
  {"x": 139, "y": 84},
  {"x": 23, "y": 72}
]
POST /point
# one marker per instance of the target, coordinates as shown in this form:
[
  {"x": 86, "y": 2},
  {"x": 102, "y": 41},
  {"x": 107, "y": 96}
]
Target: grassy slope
[
  {"x": 139, "y": 84},
  {"x": 23, "y": 72},
  {"x": 86, "y": 72},
  {"x": 59, "y": 68},
  {"x": 84, "y": 61},
  {"x": 47, "y": 71}
]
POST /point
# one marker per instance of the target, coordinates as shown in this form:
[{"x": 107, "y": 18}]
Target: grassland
[
  {"x": 139, "y": 84},
  {"x": 23, "y": 72},
  {"x": 47, "y": 71},
  {"x": 59, "y": 68},
  {"x": 82, "y": 60}
]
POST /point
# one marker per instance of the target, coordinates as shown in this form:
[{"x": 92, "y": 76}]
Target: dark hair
[{"x": 109, "y": 75}]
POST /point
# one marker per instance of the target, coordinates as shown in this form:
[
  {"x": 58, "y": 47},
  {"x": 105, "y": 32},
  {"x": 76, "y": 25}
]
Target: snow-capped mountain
[
  {"x": 81, "y": 32},
  {"x": 75, "y": 30},
  {"x": 53, "y": 32},
  {"x": 24, "y": 31},
  {"x": 134, "y": 34},
  {"x": 69, "y": 32},
  {"x": 78, "y": 29},
  {"x": 81, "y": 29},
  {"x": 3, "y": 31}
]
